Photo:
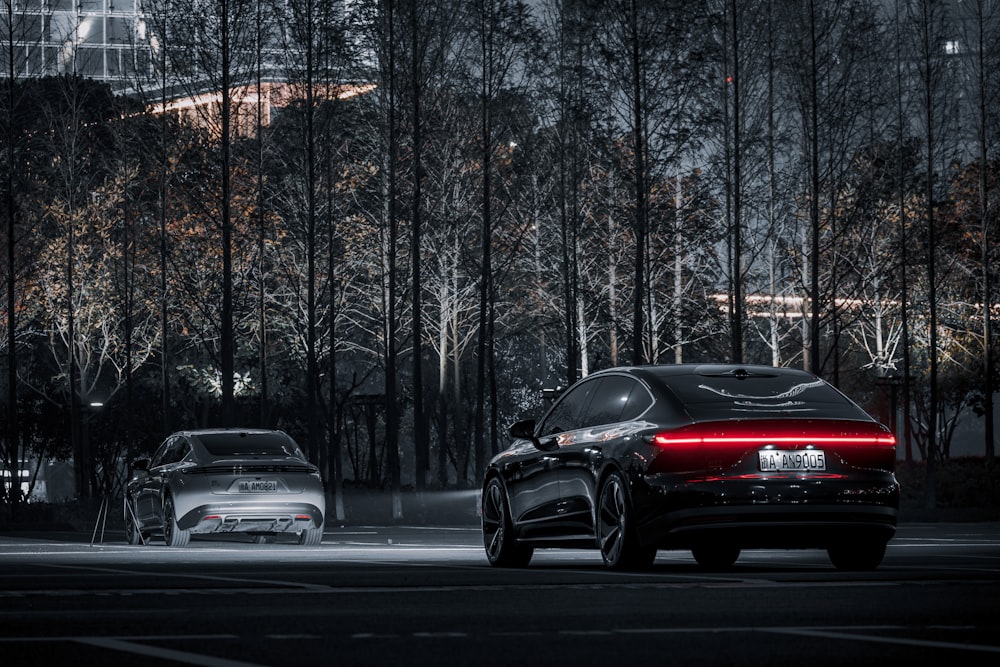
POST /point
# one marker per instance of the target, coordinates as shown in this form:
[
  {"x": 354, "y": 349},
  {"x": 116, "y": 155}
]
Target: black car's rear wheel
[
  {"x": 857, "y": 556},
  {"x": 712, "y": 556},
  {"x": 616, "y": 534},
  {"x": 172, "y": 534},
  {"x": 502, "y": 550},
  {"x": 133, "y": 534}
]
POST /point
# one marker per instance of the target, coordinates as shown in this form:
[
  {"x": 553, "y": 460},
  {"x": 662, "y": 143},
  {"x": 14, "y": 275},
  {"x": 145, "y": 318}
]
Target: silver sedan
[{"x": 252, "y": 481}]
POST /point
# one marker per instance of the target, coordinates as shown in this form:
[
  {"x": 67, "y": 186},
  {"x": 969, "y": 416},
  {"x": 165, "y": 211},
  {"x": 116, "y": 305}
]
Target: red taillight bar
[{"x": 665, "y": 439}]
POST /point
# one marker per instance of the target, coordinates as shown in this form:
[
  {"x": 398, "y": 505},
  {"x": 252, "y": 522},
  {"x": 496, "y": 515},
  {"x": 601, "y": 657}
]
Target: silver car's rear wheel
[
  {"x": 616, "y": 535},
  {"x": 311, "y": 537},
  {"x": 172, "y": 534}
]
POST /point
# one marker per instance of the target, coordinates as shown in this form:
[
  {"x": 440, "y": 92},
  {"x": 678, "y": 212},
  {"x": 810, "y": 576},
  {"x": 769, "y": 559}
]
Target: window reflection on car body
[
  {"x": 795, "y": 390},
  {"x": 786, "y": 404},
  {"x": 740, "y": 374}
]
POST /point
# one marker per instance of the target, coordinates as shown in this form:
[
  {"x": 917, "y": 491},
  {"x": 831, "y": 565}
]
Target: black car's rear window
[
  {"x": 761, "y": 395},
  {"x": 249, "y": 444}
]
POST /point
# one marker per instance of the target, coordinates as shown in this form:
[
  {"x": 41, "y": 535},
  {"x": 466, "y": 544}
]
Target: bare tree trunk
[
  {"x": 814, "y": 187},
  {"x": 736, "y": 223},
  {"x": 312, "y": 364},
  {"x": 484, "y": 344},
  {"x": 986, "y": 222},
  {"x": 421, "y": 437},
  {"x": 641, "y": 194},
  {"x": 391, "y": 389},
  {"x": 228, "y": 338},
  {"x": 678, "y": 272},
  {"x": 12, "y": 495},
  {"x": 262, "y": 407},
  {"x": 162, "y": 212},
  {"x": 612, "y": 300},
  {"x": 903, "y": 235},
  {"x": 927, "y": 65}
]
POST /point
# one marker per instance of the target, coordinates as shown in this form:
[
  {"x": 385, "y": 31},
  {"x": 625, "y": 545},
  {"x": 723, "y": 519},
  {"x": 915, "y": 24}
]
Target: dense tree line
[{"x": 457, "y": 204}]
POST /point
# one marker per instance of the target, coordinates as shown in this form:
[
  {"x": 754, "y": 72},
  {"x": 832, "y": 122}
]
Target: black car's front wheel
[
  {"x": 502, "y": 550},
  {"x": 616, "y": 534}
]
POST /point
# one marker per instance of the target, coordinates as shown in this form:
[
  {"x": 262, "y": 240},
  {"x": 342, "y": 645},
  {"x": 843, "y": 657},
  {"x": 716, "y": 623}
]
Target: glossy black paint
[{"x": 692, "y": 496}]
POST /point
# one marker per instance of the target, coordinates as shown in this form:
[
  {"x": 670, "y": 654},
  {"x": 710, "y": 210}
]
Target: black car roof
[
  {"x": 670, "y": 370},
  {"x": 706, "y": 391}
]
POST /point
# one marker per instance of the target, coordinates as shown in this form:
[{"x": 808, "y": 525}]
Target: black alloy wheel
[
  {"x": 172, "y": 534},
  {"x": 616, "y": 535},
  {"x": 502, "y": 550}
]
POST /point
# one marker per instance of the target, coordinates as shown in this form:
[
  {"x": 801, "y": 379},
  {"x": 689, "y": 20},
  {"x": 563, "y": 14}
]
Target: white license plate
[
  {"x": 258, "y": 486},
  {"x": 779, "y": 460}
]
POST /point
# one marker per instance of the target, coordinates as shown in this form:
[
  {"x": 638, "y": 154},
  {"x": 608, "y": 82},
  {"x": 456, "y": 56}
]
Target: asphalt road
[{"x": 426, "y": 596}]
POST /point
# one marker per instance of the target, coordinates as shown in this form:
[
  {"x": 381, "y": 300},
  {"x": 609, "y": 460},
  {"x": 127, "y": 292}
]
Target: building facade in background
[{"x": 104, "y": 40}]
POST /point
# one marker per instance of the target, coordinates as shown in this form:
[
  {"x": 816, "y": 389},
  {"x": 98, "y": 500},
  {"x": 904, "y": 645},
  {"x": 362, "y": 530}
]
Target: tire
[
  {"x": 502, "y": 549},
  {"x": 311, "y": 537},
  {"x": 616, "y": 535},
  {"x": 857, "y": 556},
  {"x": 133, "y": 535},
  {"x": 172, "y": 534},
  {"x": 715, "y": 556}
]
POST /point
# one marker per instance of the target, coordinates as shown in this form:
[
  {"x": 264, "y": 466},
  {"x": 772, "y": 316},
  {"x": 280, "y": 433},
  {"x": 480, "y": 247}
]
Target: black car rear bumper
[{"x": 794, "y": 513}]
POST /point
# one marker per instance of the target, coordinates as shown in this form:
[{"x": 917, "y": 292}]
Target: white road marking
[
  {"x": 207, "y": 577},
  {"x": 130, "y": 645},
  {"x": 880, "y": 639}
]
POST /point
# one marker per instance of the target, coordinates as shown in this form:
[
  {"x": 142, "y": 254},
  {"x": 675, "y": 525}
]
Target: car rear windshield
[
  {"x": 761, "y": 395},
  {"x": 249, "y": 444}
]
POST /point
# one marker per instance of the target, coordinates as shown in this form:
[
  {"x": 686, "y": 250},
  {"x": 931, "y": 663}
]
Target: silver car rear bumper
[{"x": 252, "y": 518}]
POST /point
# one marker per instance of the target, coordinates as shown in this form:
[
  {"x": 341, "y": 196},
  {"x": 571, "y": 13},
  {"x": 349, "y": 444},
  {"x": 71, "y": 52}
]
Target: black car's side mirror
[
  {"x": 140, "y": 464},
  {"x": 525, "y": 430}
]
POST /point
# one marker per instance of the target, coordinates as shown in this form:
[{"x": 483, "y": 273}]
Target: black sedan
[{"x": 711, "y": 458}]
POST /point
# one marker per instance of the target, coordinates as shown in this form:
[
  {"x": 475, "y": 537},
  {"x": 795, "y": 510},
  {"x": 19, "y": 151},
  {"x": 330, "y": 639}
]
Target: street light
[{"x": 85, "y": 474}]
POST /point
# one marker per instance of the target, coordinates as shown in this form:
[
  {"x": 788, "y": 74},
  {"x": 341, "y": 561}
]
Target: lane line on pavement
[
  {"x": 850, "y": 633},
  {"x": 880, "y": 639},
  {"x": 185, "y": 657},
  {"x": 206, "y": 577},
  {"x": 131, "y": 645}
]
